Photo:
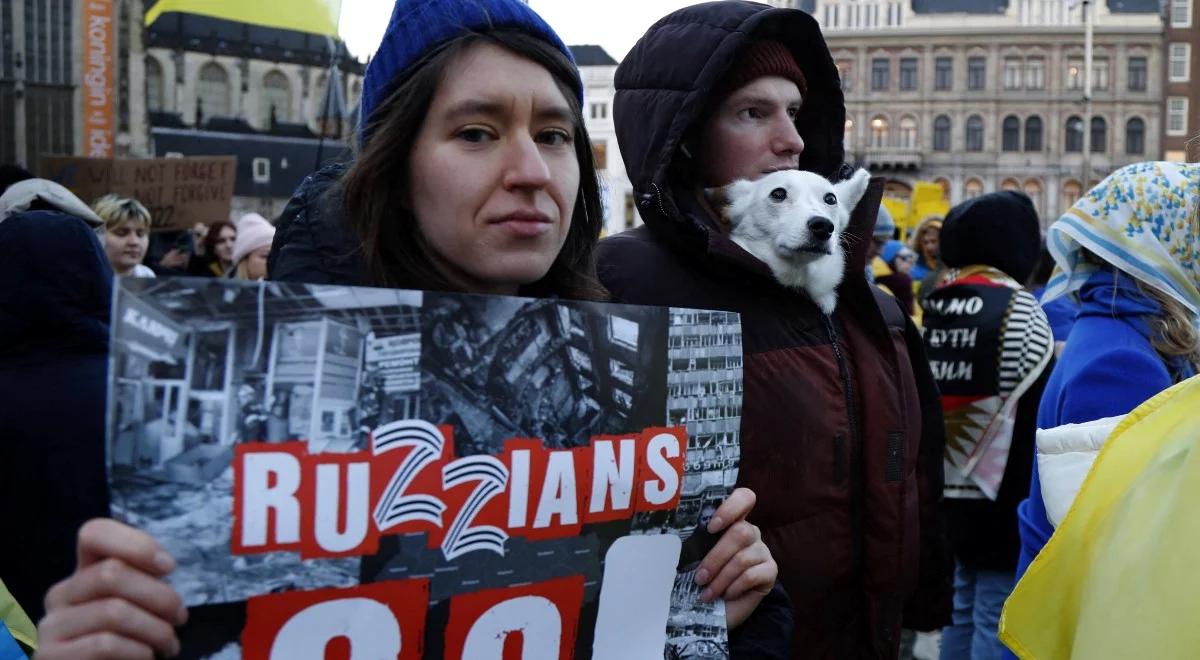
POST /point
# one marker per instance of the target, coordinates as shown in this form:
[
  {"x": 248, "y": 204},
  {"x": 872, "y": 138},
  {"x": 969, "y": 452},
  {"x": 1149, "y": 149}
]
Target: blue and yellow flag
[
  {"x": 14, "y": 626},
  {"x": 315, "y": 16},
  {"x": 1118, "y": 579}
]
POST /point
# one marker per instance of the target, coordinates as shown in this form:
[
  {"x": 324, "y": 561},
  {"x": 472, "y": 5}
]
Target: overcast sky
[{"x": 614, "y": 24}]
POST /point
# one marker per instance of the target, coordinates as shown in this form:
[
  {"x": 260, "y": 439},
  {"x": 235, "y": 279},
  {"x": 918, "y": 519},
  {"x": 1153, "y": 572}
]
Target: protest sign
[
  {"x": 423, "y": 475},
  {"x": 178, "y": 192}
]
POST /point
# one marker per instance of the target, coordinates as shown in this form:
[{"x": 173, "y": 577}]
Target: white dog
[{"x": 793, "y": 220}]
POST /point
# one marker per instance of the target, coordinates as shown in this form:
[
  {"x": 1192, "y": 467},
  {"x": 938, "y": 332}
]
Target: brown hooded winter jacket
[{"x": 841, "y": 432}]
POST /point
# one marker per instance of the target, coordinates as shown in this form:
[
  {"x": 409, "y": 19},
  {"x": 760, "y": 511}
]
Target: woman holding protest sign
[{"x": 498, "y": 194}]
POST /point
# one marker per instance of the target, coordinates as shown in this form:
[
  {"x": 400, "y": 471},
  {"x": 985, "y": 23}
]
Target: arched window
[
  {"x": 1071, "y": 192},
  {"x": 908, "y": 132},
  {"x": 941, "y": 133},
  {"x": 972, "y": 188},
  {"x": 1099, "y": 135},
  {"x": 154, "y": 85},
  {"x": 212, "y": 91},
  {"x": 1011, "y": 137},
  {"x": 1010, "y": 184},
  {"x": 1033, "y": 188},
  {"x": 975, "y": 133},
  {"x": 1135, "y": 136},
  {"x": 1074, "y": 135},
  {"x": 879, "y": 132},
  {"x": 277, "y": 97},
  {"x": 1033, "y": 134}
]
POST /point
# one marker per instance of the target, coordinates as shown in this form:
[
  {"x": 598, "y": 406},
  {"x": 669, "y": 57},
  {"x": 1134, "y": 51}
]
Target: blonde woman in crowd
[{"x": 126, "y": 234}]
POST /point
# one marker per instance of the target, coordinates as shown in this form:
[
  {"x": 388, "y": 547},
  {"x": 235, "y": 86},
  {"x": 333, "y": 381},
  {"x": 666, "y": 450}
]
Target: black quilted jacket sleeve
[
  {"x": 767, "y": 633},
  {"x": 311, "y": 243}
]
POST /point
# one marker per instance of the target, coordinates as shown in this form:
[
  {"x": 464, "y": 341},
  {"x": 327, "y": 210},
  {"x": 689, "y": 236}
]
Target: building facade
[
  {"x": 984, "y": 95},
  {"x": 186, "y": 85},
  {"x": 1181, "y": 104},
  {"x": 268, "y": 96},
  {"x": 40, "y": 68},
  {"x": 598, "y": 69}
]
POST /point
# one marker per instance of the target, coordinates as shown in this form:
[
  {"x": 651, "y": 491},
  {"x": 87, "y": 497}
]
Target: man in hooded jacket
[
  {"x": 842, "y": 437},
  {"x": 54, "y": 310}
]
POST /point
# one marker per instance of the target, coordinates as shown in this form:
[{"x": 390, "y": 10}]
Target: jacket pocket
[{"x": 893, "y": 467}]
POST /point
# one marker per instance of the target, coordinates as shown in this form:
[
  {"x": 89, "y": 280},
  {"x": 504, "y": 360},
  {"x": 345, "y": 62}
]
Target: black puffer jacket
[{"x": 842, "y": 433}]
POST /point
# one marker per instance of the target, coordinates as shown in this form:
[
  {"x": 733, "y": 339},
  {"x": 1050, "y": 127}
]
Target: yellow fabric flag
[
  {"x": 15, "y": 619},
  {"x": 315, "y": 16},
  {"x": 1118, "y": 578}
]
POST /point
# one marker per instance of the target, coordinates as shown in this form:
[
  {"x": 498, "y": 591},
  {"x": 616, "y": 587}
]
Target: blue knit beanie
[
  {"x": 419, "y": 26},
  {"x": 891, "y": 250}
]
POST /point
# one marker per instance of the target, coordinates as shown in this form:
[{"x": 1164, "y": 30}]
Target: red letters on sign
[
  {"x": 337, "y": 505},
  {"x": 541, "y": 619},
  {"x": 380, "y": 620}
]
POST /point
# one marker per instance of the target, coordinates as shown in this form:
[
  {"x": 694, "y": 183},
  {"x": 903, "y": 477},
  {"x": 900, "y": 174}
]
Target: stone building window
[
  {"x": 1075, "y": 73},
  {"x": 276, "y": 98},
  {"x": 975, "y": 133},
  {"x": 1138, "y": 75},
  {"x": 1033, "y": 134},
  {"x": 1012, "y": 73},
  {"x": 1099, "y": 135},
  {"x": 977, "y": 72},
  {"x": 879, "y": 132},
  {"x": 908, "y": 73},
  {"x": 881, "y": 70},
  {"x": 1100, "y": 73},
  {"x": 154, "y": 85},
  {"x": 212, "y": 91},
  {"x": 1135, "y": 136},
  {"x": 1011, "y": 134},
  {"x": 908, "y": 132},
  {"x": 941, "y": 133},
  {"x": 846, "y": 74},
  {"x": 1074, "y": 136},
  {"x": 1035, "y": 73},
  {"x": 972, "y": 188},
  {"x": 943, "y": 73}
]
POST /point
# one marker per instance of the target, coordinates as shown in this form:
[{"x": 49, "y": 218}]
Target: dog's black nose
[{"x": 820, "y": 228}]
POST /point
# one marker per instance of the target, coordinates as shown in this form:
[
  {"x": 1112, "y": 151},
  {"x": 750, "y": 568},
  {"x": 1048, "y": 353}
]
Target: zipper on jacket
[
  {"x": 855, "y": 471},
  {"x": 658, "y": 199}
]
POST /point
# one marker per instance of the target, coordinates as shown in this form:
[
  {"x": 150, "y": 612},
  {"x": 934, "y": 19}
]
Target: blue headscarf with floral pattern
[{"x": 1141, "y": 219}]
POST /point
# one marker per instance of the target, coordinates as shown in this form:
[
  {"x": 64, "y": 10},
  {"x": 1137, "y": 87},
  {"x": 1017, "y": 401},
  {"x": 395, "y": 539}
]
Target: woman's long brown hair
[{"x": 376, "y": 189}]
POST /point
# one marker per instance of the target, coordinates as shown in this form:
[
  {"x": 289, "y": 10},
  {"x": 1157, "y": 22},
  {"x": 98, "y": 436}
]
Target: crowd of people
[{"x": 889, "y": 477}]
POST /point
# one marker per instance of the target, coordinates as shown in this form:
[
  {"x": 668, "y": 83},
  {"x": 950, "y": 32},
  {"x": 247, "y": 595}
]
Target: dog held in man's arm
[{"x": 792, "y": 220}]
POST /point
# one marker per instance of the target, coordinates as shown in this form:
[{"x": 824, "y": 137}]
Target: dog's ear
[
  {"x": 729, "y": 201},
  {"x": 850, "y": 191}
]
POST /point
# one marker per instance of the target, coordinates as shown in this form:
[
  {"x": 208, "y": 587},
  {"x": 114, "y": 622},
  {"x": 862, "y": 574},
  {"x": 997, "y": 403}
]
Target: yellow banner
[
  {"x": 1118, "y": 579},
  {"x": 314, "y": 16}
]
